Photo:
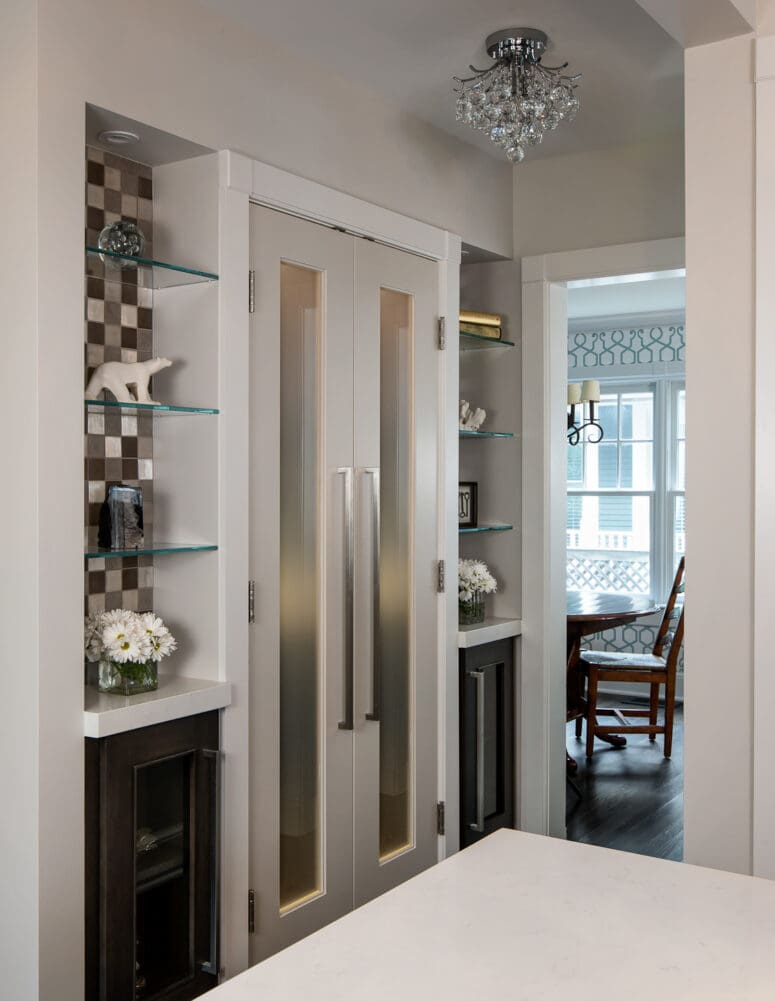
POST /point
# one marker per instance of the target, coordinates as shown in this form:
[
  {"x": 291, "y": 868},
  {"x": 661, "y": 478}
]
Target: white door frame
[
  {"x": 541, "y": 763},
  {"x": 242, "y": 181}
]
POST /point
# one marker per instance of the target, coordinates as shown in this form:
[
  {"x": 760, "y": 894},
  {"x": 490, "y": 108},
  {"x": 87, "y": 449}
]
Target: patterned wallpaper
[
  {"x": 630, "y": 345},
  {"x": 118, "y": 327}
]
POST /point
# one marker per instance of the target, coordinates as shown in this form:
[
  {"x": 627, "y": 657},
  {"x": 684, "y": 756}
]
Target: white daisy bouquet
[
  {"x": 128, "y": 647},
  {"x": 473, "y": 578},
  {"x": 474, "y": 581}
]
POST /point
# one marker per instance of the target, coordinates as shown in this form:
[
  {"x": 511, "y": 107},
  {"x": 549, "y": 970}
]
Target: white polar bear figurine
[{"x": 117, "y": 376}]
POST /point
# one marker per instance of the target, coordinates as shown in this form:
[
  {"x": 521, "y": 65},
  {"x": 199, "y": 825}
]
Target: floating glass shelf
[
  {"x": 485, "y": 434},
  {"x": 137, "y": 409},
  {"x": 485, "y": 528},
  {"x": 475, "y": 342},
  {"x": 149, "y": 273},
  {"x": 150, "y": 549}
]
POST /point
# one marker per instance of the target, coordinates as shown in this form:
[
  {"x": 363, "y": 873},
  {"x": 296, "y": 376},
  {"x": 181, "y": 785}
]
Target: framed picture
[{"x": 467, "y": 504}]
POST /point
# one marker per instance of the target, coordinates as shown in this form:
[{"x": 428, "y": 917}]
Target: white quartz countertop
[
  {"x": 489, "y": 631},
  {"x": 175, "y": 697},
  {"x": 525, "y": 918}
]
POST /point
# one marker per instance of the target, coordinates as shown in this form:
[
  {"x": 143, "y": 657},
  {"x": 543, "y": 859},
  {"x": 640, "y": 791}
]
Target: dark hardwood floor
[{"x": 631, "y": 798}]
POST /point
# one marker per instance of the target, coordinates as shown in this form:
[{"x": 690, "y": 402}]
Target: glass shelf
[
  {"x": 475, "y": 342},
  {"x": 136, "y": 409},
  {"x": 150, "y": 274},
  {"x": 484, "y": 434},
  {"x": 485, "y": 528},
  {"x": 151, "y": 549}
]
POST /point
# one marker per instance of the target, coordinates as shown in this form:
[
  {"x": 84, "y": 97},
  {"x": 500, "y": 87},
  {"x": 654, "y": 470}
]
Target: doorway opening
[{"x": 625, "y": 539}]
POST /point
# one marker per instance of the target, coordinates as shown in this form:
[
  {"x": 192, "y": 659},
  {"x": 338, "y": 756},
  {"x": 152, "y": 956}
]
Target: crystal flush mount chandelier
[{"x": 518, "y": 99}]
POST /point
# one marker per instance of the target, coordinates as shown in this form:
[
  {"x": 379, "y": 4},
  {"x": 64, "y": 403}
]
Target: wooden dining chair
[{"x": 654, "y": 669}]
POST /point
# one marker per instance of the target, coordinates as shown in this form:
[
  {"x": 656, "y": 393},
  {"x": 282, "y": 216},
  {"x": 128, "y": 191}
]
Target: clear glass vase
[
  {"x": 127, "y": 679},
  {"x": 471, "y": 612}
]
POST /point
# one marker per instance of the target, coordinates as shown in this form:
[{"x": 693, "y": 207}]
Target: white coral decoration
[
  {"x": 127, "y": 637},
  {"x": 474, "y": 577}
]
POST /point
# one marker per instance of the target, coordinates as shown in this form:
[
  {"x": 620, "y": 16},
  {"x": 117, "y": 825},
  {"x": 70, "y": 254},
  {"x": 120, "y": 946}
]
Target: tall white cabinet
[{"x": 345, "y": 432}]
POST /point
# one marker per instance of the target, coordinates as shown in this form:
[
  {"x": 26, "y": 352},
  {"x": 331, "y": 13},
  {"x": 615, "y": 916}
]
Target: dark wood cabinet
[
  {"x": 152, "y": 862},
  {"x": 486, "y": 739}
]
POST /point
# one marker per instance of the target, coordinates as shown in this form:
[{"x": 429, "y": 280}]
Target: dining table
[{"x": 588, "y": 613}]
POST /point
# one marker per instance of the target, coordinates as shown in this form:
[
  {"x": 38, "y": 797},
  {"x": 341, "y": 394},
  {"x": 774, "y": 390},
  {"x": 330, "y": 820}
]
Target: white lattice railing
[
  {"x": 615, "y": 541},
  {"x": 597, "y": 572}
]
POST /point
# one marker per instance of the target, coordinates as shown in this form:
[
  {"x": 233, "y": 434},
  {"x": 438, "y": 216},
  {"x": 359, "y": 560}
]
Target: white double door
[{"x": 344, "y": 490}]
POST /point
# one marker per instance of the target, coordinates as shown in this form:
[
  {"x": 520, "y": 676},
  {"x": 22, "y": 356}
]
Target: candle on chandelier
[
  {"x": 590, "y": 391},
  {"x": 574, "y": 394}
]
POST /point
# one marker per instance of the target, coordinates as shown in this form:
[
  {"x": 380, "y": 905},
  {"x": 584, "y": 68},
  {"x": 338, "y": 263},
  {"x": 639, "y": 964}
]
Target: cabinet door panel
[
  {"x": 301, "y": 439},
  {"x": 156, "y": 862}
]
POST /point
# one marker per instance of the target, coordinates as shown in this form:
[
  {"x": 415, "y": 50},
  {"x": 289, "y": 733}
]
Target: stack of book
[{"x": 481, "y": 324}]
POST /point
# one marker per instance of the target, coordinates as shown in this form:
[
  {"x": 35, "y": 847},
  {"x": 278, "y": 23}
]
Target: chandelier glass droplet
[{"x": 517, "y": 100}]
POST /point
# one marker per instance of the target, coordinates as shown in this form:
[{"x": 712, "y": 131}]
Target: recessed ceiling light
[{"x": 118, "y": 137}]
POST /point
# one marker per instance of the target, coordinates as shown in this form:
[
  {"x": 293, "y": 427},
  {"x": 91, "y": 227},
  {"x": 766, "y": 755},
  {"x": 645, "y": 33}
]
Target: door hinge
[
  {"x": 441, "y": 580},
  {"x": 442, "y": 333},
  {"x": 440, "y": 818},
  {"x": 251, "y": 291},
  {"x": 251, "y": 912},
  {"x": 251, "y": 601}
]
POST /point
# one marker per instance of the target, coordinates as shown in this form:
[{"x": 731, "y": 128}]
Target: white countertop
[
  {"x": 524, "y": 918},
  {"x": 493, "y": 628},
  {"x": 174, "y": 698}
]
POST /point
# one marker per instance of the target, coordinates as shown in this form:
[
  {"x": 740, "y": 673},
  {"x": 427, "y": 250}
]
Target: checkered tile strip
[{"x": 118, "y": 323}]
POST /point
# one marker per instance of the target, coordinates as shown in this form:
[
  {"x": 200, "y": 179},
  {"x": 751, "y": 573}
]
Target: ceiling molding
[{"x": 699, "y": 22}]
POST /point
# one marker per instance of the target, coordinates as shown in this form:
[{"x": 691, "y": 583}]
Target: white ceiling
[
  {"x": 409, "y": 50},
  {"x": 624, "y": 297}
]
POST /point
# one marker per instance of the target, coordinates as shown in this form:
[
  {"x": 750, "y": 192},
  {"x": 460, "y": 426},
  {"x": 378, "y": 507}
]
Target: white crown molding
[{"x": 595, "y": 324}]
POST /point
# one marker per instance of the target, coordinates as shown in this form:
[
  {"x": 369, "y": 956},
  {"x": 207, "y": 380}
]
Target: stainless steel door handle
[
  {"x": 478, "y": 825},
  {"x": 347, "y": 722},
  {"x": 376, "y": 675}
]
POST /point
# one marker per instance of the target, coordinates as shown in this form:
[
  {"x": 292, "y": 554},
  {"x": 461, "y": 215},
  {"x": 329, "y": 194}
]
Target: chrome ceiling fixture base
[{"x": 517, "y": 100}]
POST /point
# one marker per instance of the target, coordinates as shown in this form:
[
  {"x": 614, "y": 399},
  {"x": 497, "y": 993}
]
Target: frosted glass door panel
[
  {"x": 395, "y": 580},
  {"x": 301, "y": 436},
  {"x": 300, "y": 330},
  {"x": 396, "y": 408}
]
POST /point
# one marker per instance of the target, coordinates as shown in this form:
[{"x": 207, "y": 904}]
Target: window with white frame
[{"x": 625, "y": 528}]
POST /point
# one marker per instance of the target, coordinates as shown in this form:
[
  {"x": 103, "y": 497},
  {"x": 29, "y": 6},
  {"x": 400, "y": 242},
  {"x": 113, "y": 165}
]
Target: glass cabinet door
[
  {"x": 152, "y": 866},
  {"x": 163, "y": 884}
]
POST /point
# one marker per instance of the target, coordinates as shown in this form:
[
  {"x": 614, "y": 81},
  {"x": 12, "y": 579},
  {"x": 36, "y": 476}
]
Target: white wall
[
  {"x": 18, "y": 506},
  {"x": 623, "y": 195},
  {"x": 719, "y": 472},
  {"x": 194, "y": 74}
]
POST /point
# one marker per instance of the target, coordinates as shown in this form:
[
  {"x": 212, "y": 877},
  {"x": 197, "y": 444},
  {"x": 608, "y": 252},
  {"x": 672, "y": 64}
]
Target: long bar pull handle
[
  {"x": 479, "y": 823},
  {"x": 347, "y": 723},
  {"x": 211, "y": 966},
  {"x": 376, "y": 667}
]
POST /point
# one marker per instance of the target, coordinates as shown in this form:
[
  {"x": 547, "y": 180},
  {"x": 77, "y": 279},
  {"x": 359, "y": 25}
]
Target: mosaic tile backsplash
[{"x": 118, "y": 327}]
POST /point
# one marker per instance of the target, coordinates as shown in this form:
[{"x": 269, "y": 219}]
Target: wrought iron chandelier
[{"x": 518, "y": 99}]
